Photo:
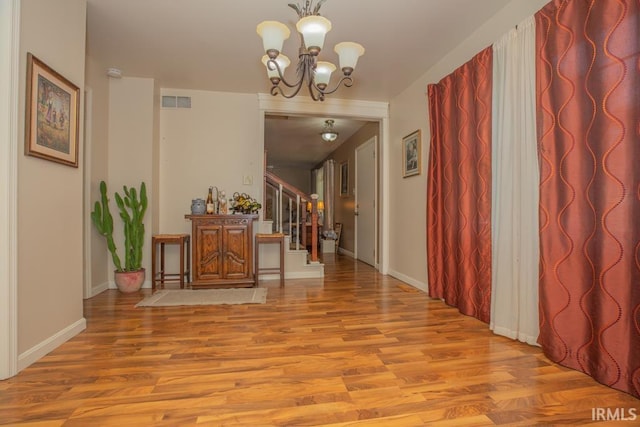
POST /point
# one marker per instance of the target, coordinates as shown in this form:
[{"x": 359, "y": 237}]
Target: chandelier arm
[
  {"x": 278, "y": 90},
  {"x": 346, "y": 80},
  {"x": 281, "y": 76},
  {"x": 312, "y": 92}
]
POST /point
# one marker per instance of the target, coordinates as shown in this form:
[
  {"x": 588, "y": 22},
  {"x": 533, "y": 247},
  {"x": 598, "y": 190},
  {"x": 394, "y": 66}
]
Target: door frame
[
  {"x": 364, "y": 110},
  {"x": 9, "y": 119},
  {"x": 373, "y": 141}
]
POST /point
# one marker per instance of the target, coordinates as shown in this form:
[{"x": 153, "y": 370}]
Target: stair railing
[{"x": 285, "y": 194}]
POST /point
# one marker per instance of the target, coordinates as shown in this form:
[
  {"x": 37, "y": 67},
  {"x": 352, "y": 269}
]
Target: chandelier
[
  {"x": 315, "y": 74},
  {"x": 328, "y": 134}
]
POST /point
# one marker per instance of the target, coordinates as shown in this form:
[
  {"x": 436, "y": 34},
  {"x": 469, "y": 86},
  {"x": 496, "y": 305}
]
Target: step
[{"x": 295, "y": 261}]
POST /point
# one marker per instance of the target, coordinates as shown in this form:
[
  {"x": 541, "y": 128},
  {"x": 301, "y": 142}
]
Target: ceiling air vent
[{"x": 176, "y": 101}]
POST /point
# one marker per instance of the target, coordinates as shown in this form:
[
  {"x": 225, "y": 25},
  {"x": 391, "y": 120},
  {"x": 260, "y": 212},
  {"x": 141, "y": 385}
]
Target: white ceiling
[
  {"x": 213, "y": 45},
  {"x": 295, "y": 141}
]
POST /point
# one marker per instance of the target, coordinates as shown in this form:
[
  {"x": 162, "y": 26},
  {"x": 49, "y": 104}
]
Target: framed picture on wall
[
  {"x": 52, "y": 114},
  {"x": 412, "y": 154},
  {"x": 344, "y": 179}
]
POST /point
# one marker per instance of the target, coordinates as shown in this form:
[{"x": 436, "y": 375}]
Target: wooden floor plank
[{"x": 354, "y": 348}]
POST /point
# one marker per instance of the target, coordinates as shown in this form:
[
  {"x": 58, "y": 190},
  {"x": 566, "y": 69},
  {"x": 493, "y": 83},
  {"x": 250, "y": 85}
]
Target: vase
[
  {"x": 129, "y": 281},
  {"x": 198, "y": 207}
]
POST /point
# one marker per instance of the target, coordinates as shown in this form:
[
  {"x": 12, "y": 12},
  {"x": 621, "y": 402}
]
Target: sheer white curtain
[
  {"x": 515, "y": 238},
  {"x": 329, "y": 190}
]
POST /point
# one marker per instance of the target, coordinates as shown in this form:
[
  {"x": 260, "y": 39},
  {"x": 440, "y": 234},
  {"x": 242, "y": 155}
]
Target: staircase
[
  {"x": 285, "y": 211},
  {"x": 297, "y": 262}
]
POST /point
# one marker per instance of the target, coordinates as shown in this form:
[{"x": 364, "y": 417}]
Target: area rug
[{"x": 173, "y": 297}]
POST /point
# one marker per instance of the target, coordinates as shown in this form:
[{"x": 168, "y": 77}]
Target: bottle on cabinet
[
  {"x": 210, "y": 205},
  {"x": 222, "y": 203}
]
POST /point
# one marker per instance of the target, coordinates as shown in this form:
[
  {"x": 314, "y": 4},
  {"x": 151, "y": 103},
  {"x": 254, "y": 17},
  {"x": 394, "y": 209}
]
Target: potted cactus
[{"x": 130, "y": 277}]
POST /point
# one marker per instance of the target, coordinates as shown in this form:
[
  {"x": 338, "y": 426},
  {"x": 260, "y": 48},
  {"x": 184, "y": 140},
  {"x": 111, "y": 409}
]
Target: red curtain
[
  {"x": 588, "y": 72},
  {"x": 459, "y": 188}
]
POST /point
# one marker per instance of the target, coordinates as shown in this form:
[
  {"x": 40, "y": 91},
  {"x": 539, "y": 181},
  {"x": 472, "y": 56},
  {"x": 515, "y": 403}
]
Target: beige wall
[
  {"x": 154, "y": 202},
  {"x": 214, "y": 143},
  {"x": 408, "y": 112},
  {"x": 96, "y": 167},
  {"x": 131, "y": 152},
  {"x": 50, "y": 205},
  {"x": 299, "y": 178}
]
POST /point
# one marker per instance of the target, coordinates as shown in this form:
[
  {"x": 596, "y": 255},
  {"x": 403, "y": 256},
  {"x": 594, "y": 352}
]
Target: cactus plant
[{"x": 132, "y": 209}]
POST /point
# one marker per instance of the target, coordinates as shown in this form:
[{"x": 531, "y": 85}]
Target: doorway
[{"x": 362, "y": 110}]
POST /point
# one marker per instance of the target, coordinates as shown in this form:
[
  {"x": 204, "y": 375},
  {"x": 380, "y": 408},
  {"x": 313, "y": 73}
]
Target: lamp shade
[
  {"x": 283, "y": 63},
  {"x": 349, "y": 52},
  {"x": 273, "y": 34},
  {"x": 313, "y": 29},
  {"x": 323, "y": 72},
  {"x": 329, "y": 136}
]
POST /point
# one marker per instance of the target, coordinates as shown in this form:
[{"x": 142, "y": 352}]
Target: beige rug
[{"x": 176, "y": 297}]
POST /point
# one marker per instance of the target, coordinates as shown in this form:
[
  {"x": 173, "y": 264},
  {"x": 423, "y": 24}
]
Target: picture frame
[
  {"x": 412, "y": 154},
  {"x": 52, "y": 114},
  {"x": 344, "y": 179}
]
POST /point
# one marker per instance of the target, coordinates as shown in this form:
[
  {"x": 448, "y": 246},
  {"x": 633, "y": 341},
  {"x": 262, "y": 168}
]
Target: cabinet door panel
[
  {"x": 209, "y": 252},
  {"x": 235, "y": 262}
]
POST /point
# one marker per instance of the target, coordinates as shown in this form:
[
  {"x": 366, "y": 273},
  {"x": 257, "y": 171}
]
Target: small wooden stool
[
  {"x": 160, "y": 277},
  {"x": 270, "y": 238}
]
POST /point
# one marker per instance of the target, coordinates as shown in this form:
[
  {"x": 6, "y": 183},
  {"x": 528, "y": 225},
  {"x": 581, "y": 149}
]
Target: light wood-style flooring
[{"x": 356, "y": 348}]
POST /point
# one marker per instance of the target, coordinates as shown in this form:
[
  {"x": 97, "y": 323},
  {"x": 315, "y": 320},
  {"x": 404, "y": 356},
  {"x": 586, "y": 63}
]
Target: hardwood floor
[{"x": 354, "y": 348}]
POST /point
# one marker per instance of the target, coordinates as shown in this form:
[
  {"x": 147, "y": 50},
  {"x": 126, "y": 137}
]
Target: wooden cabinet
[{"x": 222, "y": 251}]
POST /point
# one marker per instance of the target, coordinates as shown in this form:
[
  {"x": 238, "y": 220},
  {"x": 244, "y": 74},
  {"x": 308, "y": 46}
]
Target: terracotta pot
[{"x": 129, "y": 281}]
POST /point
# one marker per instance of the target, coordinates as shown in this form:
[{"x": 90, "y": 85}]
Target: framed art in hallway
[
  {"x": 52, "y": 114},
  {"x": 412, "y": 154}
]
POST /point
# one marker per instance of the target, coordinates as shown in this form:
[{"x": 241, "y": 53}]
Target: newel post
[{"x": 314, "y": 227}]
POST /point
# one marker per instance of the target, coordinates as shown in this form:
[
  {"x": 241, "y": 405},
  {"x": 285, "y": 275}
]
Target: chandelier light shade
[
  {"x": 273, "y": 35},
  {"x": 313, "y": 73},
  {"x": 313, "y": 30},
  {"x": 348, "y": 52},
  {"x": 323, "y": 73},
  {"x": 328, "y": 134}
]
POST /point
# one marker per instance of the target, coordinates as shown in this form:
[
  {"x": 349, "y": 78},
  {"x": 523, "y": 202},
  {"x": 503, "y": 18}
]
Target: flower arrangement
[{"x": 243, "y": 203}]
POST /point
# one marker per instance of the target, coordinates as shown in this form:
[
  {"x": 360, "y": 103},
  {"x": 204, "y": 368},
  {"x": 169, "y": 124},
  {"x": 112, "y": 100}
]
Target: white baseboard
[
  {"x": 45, "y": 347},
  {"x": 409, "y": 280},
  {"x": 347, "y": 253},
  {"x": 97, "y": 289}
]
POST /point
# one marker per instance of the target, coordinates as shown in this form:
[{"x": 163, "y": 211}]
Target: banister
[
  {"x": 275, "y": 180},
  {"x": 282, "y": 187}
]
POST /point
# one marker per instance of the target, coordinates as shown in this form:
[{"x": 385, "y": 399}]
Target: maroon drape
[
  {"x": 588, "y": 71},
  {"x": 459, "y": 188}
]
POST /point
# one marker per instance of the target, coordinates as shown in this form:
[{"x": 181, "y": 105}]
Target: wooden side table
[
  {"x": 270, "y": 238},
  {"x": 160, "y": 277}
]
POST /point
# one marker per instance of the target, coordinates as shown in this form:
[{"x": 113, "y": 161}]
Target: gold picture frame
[
  {"x": 412, "y": 154},
  {"x": 52, "y": 114}
]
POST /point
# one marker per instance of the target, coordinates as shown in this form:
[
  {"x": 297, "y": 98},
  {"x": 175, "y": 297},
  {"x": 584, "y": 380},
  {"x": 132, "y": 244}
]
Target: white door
[{"x": 366, "y": 180}]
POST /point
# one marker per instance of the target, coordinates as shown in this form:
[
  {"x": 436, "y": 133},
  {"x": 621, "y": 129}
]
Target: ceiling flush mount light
[
  {"x": 315, "y": 74},
  {"x": 328, "y": 134}
]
